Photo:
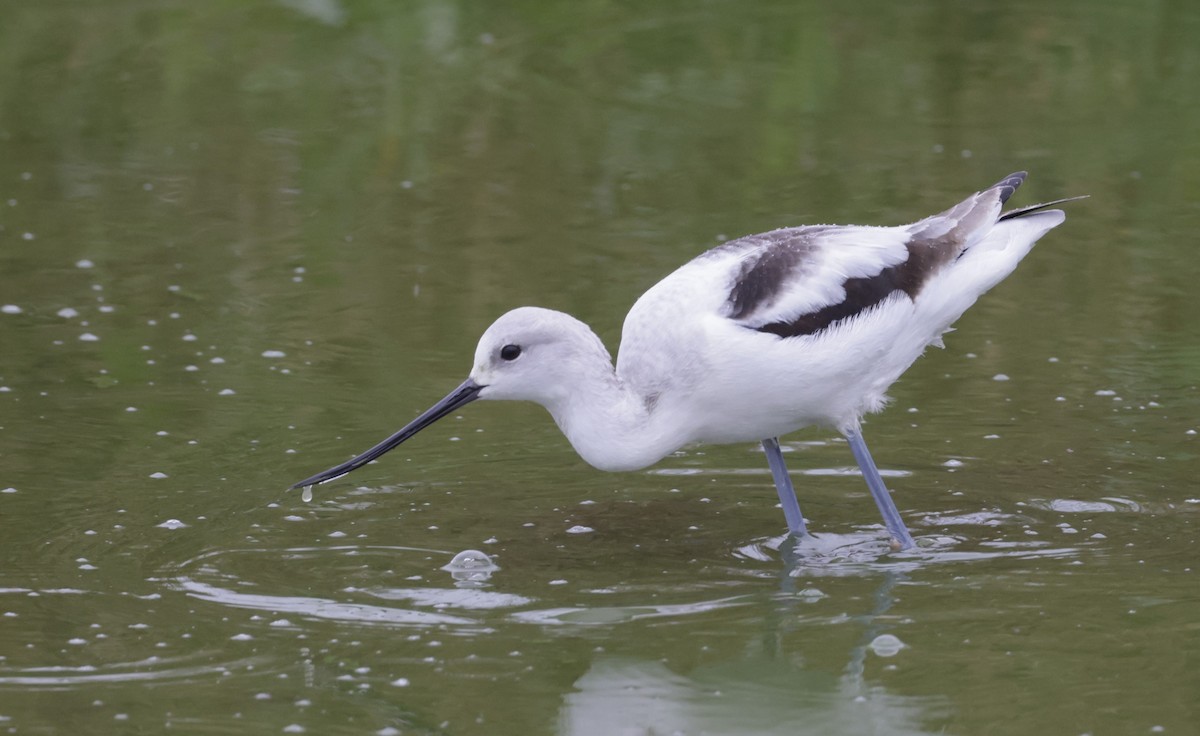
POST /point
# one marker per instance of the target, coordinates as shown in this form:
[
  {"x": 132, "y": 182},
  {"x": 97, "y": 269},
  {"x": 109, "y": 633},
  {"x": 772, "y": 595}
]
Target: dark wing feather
[{"x": 797, "y": 265}]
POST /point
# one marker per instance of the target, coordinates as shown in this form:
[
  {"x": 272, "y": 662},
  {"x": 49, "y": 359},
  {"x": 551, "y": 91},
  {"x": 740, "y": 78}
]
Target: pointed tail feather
[
  {"x": 1022, "y": 211},
  {"x": 1009, "y": 184}
]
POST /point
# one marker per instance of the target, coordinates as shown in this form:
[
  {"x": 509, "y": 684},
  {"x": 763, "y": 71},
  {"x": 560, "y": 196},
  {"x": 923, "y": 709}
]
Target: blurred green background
[{"x": 240, "y": 241}]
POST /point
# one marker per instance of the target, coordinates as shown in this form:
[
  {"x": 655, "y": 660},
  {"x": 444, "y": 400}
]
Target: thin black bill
[{"x": 467, "y": 392}]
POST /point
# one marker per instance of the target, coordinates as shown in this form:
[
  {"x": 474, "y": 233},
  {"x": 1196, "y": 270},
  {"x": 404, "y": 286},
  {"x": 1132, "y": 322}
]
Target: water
[{"x": 239, "y": 244}]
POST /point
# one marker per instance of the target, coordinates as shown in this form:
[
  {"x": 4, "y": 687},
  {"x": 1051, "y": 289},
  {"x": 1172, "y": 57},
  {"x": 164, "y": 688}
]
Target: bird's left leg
[
  {"x": 783, "y": 484},
  {"x": 883, "y": 498}
]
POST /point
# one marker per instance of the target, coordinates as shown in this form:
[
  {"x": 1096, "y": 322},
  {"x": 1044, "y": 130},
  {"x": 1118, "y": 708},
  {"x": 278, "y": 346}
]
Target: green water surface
[{"x": 241, "y": 241}]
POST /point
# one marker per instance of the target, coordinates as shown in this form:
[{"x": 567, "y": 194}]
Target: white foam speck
[
  {"x": 217, "y": 360},
  {"x": 172, "y": 524},
  {"x": 226, "y": 392},
  {"x": 1106, "y": 392},
  {"x": 77, "y": 641},
  {"x": 274, "y": 354},
  {"x": 1000, "y": 377},
  {"x": 400, "y": 682},
  {"x": 84, "y": 263},
  {"x": 1073, "y": 506},
  {"x": 241, "y": 637},
  {"x": 280, "y": 623},
  {"x": 580, "y": 529},
  {"x": 952, "y": 463},
  {"x": 88, "y": 337},
  {"x": 67, "y": 313},
  {"x": 293, "y": 728},
  {"x": 159, "y": 474},
  {"x": 10, "y": 489},
  {"x": 11, "y": 309}
]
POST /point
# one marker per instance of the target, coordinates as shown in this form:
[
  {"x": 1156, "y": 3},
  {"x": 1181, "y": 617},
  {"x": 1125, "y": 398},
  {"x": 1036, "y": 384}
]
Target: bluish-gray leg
[
  {"x": 783, "y": 484},
  {"x": 883, "y": 499}
]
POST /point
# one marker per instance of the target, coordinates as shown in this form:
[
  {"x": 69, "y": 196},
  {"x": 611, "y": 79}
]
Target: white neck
[{"x": 609, "y": 424}]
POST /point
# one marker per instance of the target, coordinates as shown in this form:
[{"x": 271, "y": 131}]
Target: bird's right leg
[
  {"x": 887, "y": 507},
  {"x": 783, "y": 484}
]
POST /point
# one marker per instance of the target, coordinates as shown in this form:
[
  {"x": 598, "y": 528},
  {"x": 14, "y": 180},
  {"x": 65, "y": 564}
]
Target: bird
[{"x": 753, "y": 339}]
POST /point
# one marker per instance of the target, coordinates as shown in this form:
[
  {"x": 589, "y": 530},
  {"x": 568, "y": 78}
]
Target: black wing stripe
[
  {"x": 761, "y": 279},
  {"x": 938, "y": 240},
  {"x": 925, "y": 257},
  {"x": 1022, "y": 211}
]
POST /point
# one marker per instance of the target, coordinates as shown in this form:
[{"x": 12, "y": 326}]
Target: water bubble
[
  {"x": 11, "y": 309},
  {"x": 172, "y": 524},
  {"x": 471, "y": 559},
  {"x": 306, "y": 494},
  {"x": 886, "y": 645},
  {"x": 471, "y": 567},
  {"x": 580, "y": 529}
]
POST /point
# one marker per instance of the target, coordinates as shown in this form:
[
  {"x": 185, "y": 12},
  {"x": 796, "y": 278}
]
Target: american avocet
[{"x": 753, "y": 339}]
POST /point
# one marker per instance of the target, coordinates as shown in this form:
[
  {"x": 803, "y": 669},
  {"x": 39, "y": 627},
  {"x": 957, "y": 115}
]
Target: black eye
[{"x": 510, "y": 352}]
